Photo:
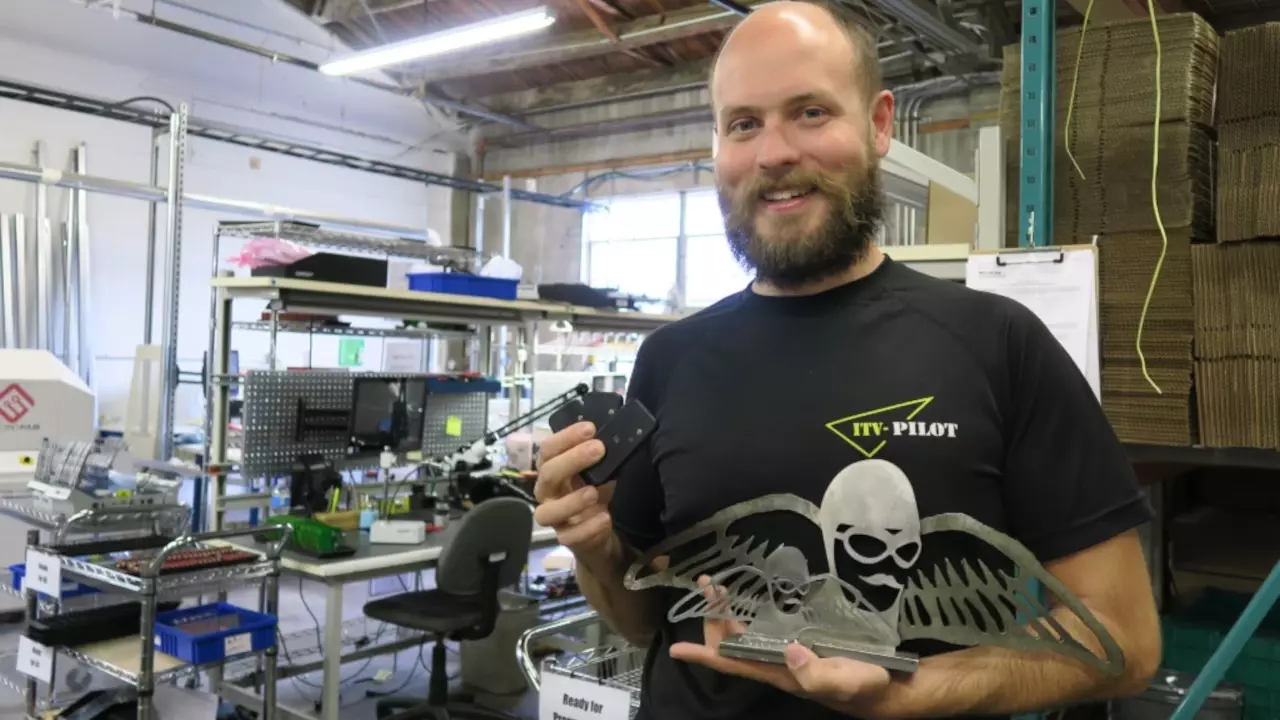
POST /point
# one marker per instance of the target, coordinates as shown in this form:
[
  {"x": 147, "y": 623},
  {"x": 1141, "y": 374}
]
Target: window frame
[{"x": 682, "y": 238}]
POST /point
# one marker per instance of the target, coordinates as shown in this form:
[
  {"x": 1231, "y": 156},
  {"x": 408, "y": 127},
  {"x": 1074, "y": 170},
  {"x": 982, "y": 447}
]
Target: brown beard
[{"x": 797, "y": 260}]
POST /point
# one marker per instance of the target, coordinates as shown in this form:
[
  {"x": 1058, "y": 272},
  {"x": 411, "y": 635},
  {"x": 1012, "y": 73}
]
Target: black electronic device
[
  {"x": 564, "y": 417},
  {"x": 331, "y": 267},
  {"x": 312, "y": 478},
  {"x": 387, "y": 413},
  {"x": 598, "y": 408},
  {"x": 630, "y": 427}
]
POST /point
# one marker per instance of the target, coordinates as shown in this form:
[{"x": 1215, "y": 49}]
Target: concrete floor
[{"x": 298, "y": 604}]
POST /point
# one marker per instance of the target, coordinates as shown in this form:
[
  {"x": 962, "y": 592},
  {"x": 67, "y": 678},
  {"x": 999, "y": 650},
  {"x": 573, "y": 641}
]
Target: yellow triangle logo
[{"x": 868, "y": 431}]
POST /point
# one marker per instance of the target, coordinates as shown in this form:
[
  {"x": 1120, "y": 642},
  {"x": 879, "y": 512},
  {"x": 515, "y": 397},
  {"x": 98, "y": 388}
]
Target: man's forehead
[
  {"x": 784, "y": 43},
  {"x": 775, "y": 77}
]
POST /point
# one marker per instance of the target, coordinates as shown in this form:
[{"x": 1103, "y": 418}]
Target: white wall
[{"x": 118, "y": 225}]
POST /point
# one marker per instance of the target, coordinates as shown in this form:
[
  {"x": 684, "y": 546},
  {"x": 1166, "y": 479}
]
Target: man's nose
[{"x": 776, "y": 151}]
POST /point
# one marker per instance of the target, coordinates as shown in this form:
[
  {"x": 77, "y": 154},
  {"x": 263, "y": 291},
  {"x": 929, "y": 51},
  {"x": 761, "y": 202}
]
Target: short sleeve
[
  {"x": 1068, "y": 482},
  {"x": 637, "y": 502}
]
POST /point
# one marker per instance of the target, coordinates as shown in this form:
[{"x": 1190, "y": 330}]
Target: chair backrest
[{"x": 501, "y": 525}]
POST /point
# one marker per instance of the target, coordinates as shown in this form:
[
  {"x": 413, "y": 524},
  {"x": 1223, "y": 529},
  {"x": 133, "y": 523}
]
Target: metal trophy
[{"x": 870, "y": 592}]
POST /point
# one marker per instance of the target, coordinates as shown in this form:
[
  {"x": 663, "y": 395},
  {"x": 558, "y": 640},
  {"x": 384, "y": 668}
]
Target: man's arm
[
  {"x": 633, "y": 615},
  {"x": 635, "y": 501},
  {"x": 1111, "y": 580}
]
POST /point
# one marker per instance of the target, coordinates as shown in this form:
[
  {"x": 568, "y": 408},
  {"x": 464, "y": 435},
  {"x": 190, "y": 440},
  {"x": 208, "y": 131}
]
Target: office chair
[{"x": 487, "y": 553}]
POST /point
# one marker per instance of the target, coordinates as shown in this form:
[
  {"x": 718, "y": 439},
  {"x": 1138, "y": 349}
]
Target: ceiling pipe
[{"x": 277, "y": 57}]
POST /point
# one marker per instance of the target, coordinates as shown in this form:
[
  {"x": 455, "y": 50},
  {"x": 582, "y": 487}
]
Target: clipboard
[{"x": 1060, "y": 285}]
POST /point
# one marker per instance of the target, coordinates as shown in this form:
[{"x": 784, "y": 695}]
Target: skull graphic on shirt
[{"x": 871, "y": 532}]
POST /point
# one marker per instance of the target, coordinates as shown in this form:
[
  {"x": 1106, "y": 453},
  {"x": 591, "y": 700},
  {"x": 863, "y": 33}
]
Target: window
[
  {"x": 637, "y": 244},
  {"x": 633, "y": 245},
  {"x": 711, "y": 270}
]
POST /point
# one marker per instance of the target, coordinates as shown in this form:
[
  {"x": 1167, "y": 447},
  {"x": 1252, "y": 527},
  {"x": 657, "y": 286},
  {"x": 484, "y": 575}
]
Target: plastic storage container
[
  {"x": 463, "y": 284},
  {"x": 252, "y": 632},
  {"x": 1192, "y": 635},
  {"x": 70, "y": 589}
]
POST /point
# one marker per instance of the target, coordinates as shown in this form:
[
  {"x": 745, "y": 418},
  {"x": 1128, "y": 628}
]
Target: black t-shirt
[{"x": 966, "y": 392}]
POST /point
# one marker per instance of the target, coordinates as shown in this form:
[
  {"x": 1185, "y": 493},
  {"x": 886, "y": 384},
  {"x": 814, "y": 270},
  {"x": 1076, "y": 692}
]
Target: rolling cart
[
  {"x": 616, "y": 665},
  {"x": 138, "y": 660}
]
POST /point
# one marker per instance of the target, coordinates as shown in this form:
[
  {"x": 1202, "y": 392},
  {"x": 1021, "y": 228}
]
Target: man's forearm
[
  {"x": 633, "y": 615},
  {"x": 997, "y": 681}
]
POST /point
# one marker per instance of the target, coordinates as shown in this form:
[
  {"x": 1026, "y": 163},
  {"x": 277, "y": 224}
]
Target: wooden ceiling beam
[
  {"x": 565, "y": 47},
  {"x": 580, "y": 91}
]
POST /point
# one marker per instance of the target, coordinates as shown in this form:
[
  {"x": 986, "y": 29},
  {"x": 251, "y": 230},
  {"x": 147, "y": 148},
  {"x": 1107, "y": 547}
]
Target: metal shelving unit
[
  {"x": 1035, "y": 212},
  {"x": 143, "y": 666},
  {"x": 281, "y": 295},
  {"x": 330, "y": 239},
  {"x": 345, "y": 331},
  {"x": 179, "y": 126}
]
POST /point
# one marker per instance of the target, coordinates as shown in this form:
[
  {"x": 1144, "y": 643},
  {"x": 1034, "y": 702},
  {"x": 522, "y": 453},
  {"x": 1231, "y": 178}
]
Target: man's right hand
[{"x": 578, "y": 513}]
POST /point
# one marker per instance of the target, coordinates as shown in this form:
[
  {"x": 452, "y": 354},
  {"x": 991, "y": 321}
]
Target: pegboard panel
[
  {"x": 454, "y": 420},
  {"x": 271, "y": 418},
  {"x": 271, "y": 400}
]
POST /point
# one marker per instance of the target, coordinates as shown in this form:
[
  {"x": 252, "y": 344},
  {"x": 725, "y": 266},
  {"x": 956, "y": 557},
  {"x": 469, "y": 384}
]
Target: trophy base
[{"x": 762, "y": 648}]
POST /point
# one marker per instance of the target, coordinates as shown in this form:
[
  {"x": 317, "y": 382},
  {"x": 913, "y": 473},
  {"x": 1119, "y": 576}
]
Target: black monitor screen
[{"x": 388, "y": 412}]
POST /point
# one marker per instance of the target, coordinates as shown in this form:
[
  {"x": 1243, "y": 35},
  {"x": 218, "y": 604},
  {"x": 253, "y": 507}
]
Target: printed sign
[
  {"x": 237, "y": 645},
  {"x": 569, "y": 698},
  {"x": 349, "y": 351},
  {"x": 35, "y": 660},
  {"x": 44, "y": 573}
]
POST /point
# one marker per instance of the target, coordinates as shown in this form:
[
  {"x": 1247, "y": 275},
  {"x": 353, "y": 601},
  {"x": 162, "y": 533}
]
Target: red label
[{"x": 15, "y": 403}]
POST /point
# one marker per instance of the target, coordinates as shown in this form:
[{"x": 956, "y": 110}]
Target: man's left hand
[{"x": 838, "y": 682}]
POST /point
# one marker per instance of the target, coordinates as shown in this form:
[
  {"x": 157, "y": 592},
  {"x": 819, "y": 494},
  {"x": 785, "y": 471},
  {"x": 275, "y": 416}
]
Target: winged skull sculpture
[{"x": 873, "y": 593}]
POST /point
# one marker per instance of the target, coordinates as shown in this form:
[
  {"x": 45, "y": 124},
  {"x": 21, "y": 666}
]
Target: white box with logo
[{"x": 39, "y": 398}]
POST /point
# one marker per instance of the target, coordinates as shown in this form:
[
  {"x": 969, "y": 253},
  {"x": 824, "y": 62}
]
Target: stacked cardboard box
[
  {"x": 1237, "y": 284},
  {"x": 1249, "y": 135},
  {"x": 1138, "y": 413},
  {"x": 1112, "y": 137},
  {"x": 1237, "y": 302}
]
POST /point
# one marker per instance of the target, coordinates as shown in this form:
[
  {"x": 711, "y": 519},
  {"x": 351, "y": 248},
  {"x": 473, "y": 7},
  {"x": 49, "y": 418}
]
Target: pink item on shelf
[{"x": 268, "y": 252}]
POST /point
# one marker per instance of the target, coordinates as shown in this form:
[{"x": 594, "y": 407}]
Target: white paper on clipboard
[{"x": 1060, "y": 286}]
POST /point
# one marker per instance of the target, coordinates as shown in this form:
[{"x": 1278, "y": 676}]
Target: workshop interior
[{"x": 291, "y": 291}]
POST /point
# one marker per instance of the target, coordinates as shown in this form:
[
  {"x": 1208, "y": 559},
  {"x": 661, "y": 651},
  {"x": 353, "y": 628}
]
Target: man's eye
[
  {"x": 741, "y": 125},
  {"x": 814, "y": 113}
]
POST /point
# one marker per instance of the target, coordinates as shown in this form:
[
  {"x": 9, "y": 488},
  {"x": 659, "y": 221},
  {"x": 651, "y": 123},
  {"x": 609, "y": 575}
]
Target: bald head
[{"x": 810, "y": 25}]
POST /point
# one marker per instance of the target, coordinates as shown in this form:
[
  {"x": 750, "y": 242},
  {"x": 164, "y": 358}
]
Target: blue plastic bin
[
  {"x": 70, "y": 589},
  {"x": 255, "y": 632},
  {"x": 462, "y": 284}
]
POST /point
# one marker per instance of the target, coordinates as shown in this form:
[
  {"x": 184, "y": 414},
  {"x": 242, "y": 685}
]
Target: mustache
[
  {"x": 743, "y": 204},
  {"x": 796, "y": 180}
]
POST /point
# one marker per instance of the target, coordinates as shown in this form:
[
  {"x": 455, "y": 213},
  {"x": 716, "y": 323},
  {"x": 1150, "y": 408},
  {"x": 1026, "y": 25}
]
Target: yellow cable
[
  {"x": 1075, "y": 78},
  {"x": 1155, "y": 205}
]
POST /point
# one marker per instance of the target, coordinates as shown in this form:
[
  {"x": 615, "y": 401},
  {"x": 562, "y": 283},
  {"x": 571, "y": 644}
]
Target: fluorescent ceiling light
[{"x": 439, "y": 43}]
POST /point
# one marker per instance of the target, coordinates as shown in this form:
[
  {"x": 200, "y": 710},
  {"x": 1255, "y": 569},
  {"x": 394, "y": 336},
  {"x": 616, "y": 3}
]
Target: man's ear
[{"x": 882, "y": 106}]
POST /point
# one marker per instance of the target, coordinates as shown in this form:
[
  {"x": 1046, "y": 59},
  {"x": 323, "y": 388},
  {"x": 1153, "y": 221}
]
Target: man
[{"x": 746, "y": 393}]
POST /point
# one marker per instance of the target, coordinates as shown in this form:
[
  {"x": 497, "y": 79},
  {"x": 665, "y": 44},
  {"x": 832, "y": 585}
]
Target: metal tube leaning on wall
[{"x": 148, "y": 193}]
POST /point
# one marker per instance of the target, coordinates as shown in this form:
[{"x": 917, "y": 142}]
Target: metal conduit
[{"x": 148, "y": 193}]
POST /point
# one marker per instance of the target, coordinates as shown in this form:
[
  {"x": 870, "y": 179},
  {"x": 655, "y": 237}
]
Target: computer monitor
[{"x": 388, "y": 413}]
